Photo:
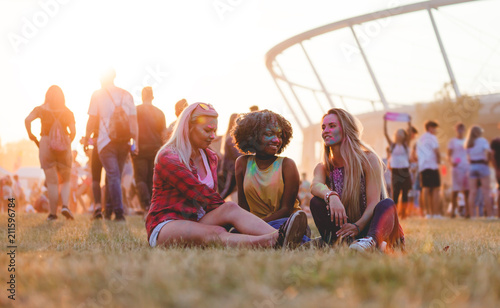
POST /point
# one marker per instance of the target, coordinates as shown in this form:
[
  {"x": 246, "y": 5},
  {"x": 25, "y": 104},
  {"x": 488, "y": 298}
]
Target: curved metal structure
[
  {"x": 277, "y": 72},
  {"x": 317, "y": 88}
]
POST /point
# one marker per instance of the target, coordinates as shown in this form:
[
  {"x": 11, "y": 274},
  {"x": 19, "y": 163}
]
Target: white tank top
[
  {"x": 399, "y": 157},
  {"x": 208, "y": 180}
]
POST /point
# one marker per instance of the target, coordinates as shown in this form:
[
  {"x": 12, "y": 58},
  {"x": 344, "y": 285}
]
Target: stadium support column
[
  {"x": 375, "y": 82},
  {"x": 445, "y": 56},
  {"x": 317, "y": 77}
]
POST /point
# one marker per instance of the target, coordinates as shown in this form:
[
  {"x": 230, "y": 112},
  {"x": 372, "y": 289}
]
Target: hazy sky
[{"x": 213, "y": 51}]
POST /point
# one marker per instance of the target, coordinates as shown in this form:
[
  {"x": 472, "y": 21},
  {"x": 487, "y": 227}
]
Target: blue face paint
[
  {"x": 271, "y": 140},
  {"x": 331, "y": 130}
]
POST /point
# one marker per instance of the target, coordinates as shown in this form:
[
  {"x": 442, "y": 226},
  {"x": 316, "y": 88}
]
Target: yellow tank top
[{"x": 264, "y": 187}]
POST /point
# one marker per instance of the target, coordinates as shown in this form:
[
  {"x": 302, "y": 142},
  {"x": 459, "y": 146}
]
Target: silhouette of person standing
[
  {"x": 152, "y": 135},
  {"x": 56, "y": 163},
  {"x": 112, "y": 153}
]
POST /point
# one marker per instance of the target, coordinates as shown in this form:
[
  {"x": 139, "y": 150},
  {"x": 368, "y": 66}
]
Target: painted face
[
  {"x": 331, "y": 130},
  {"x": 203, "y": 132},
  {"x": 271, "y": 140}
]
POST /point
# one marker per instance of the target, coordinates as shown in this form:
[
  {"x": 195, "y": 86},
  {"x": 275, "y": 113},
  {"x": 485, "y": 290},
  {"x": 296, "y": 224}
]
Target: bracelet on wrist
[{"x": 329, "y": 194}]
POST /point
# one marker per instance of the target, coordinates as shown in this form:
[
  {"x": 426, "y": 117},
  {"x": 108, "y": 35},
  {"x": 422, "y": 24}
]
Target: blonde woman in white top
[
  {"x": 399, "y": 163},
  {"x": 478, "y": 151}
]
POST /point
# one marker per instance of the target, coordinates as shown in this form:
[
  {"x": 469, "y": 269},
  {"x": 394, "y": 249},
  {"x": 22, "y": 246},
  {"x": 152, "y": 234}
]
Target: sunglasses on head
[{"x": 206, "y": 106}]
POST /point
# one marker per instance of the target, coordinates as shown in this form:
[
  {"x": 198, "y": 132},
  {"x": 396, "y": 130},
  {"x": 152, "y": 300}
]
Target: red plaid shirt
[{"x": 177, "y": 192}]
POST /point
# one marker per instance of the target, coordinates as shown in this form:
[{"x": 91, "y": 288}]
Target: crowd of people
[
  {"x": 251, "y": 196},
  {"x": 415, "y": 170}
]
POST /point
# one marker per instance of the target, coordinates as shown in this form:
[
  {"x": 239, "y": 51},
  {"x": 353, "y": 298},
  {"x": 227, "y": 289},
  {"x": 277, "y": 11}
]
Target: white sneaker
[
  {"x": 428, "y": 216},
  {"x": 67, "y": 213},
  {"x": 364, "y": 244}
]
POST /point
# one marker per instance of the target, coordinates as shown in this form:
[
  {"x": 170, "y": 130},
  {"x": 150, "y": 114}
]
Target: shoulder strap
[
  {"x": 110, "y": 96},
  {"x": 53, "y": 115}
]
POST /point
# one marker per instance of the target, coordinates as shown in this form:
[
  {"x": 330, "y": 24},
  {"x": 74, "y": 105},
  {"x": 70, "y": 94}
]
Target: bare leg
[
  {"x": 466, "y": 199},
  {"x": 485, "y": 188},
  {"x": 231, "y": 213},
  {"x": 421, "y": 202},
  {"x": 472, "y": 196},
  {"x": 66, "y": 194},
  {"x": 190, "y": 232},
  {"x": 82, "y": 190},
  {"x": 426, "y": 198},
  {"x": 454, "y": 203},
  {"x": 436, "y": 203},
  {"x": 52, "y": 188},
  {"x": 405, "y": 209}
]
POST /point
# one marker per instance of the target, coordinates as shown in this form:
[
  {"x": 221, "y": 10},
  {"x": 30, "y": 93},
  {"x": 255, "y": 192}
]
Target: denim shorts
[{"x": 478, "y": 171}]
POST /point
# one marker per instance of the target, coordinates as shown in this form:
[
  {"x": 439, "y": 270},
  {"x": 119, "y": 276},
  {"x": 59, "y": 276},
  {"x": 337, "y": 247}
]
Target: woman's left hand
[{"x": 347, "y": 229}]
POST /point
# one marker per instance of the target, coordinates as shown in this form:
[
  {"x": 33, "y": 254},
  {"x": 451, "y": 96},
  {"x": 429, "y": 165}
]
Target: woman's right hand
[{"x": 337, "y": 211}]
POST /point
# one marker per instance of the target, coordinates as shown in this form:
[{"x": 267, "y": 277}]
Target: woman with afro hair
[{"x": 268, "y": 184}]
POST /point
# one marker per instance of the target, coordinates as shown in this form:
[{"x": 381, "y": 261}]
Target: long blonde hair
[
  {"x": 355, "y": 154},
  {"x": 179, "y": 141},
  {"x": 474, "y": 133}
]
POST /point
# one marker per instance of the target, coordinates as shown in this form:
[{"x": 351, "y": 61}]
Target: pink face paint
[{"x": 203, "y": 132}]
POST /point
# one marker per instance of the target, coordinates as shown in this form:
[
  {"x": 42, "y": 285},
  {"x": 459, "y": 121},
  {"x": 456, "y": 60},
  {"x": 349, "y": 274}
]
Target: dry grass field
[{"x": 106, "y": 264}]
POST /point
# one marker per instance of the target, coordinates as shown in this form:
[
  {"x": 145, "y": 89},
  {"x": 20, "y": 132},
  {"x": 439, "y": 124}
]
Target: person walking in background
[
  {"x": 95, "y": 172},
  {"x": 457, "y": 156},
  {"x": 230, "y": 153},
  {"x": 268, "y": 184},
  {"x": 55, "y": 147},
  {"x": 495, "y": 151},
  {"x": 186, "y": 209},
  {"x": 417, "y": 195},
  {"x": 18, "y": 192},
  {"x": 399, "y": 163},
  {"x": 350, "y": 200},
  {"x": 76, "y": 170},
  {"x": 179, "y": 107},
  {"x": 152, "y": 135},
  {"x": 429, "y": 159},
  {"x": 7, "y": 192},
  {"x": 478, "y": 151},
  {"x": 112, "y": 110}
]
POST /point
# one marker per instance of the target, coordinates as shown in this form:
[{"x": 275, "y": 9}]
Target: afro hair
[{"x": 251, "y": 126}]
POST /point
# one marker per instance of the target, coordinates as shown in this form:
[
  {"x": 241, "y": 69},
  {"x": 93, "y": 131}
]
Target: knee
[
  {"x": 65, "y": 175},
  {"x": 316, "y": 203},
  {"x": 51, "y": 180},
  {"x": 51, "y": 176},
  {"x": 385, "y": 205},
  {"x": 231, "y": 206}
]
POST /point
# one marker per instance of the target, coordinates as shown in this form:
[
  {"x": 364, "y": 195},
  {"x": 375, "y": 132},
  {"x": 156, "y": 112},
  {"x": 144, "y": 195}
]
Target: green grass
[{"x": 107, "y": 264}]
